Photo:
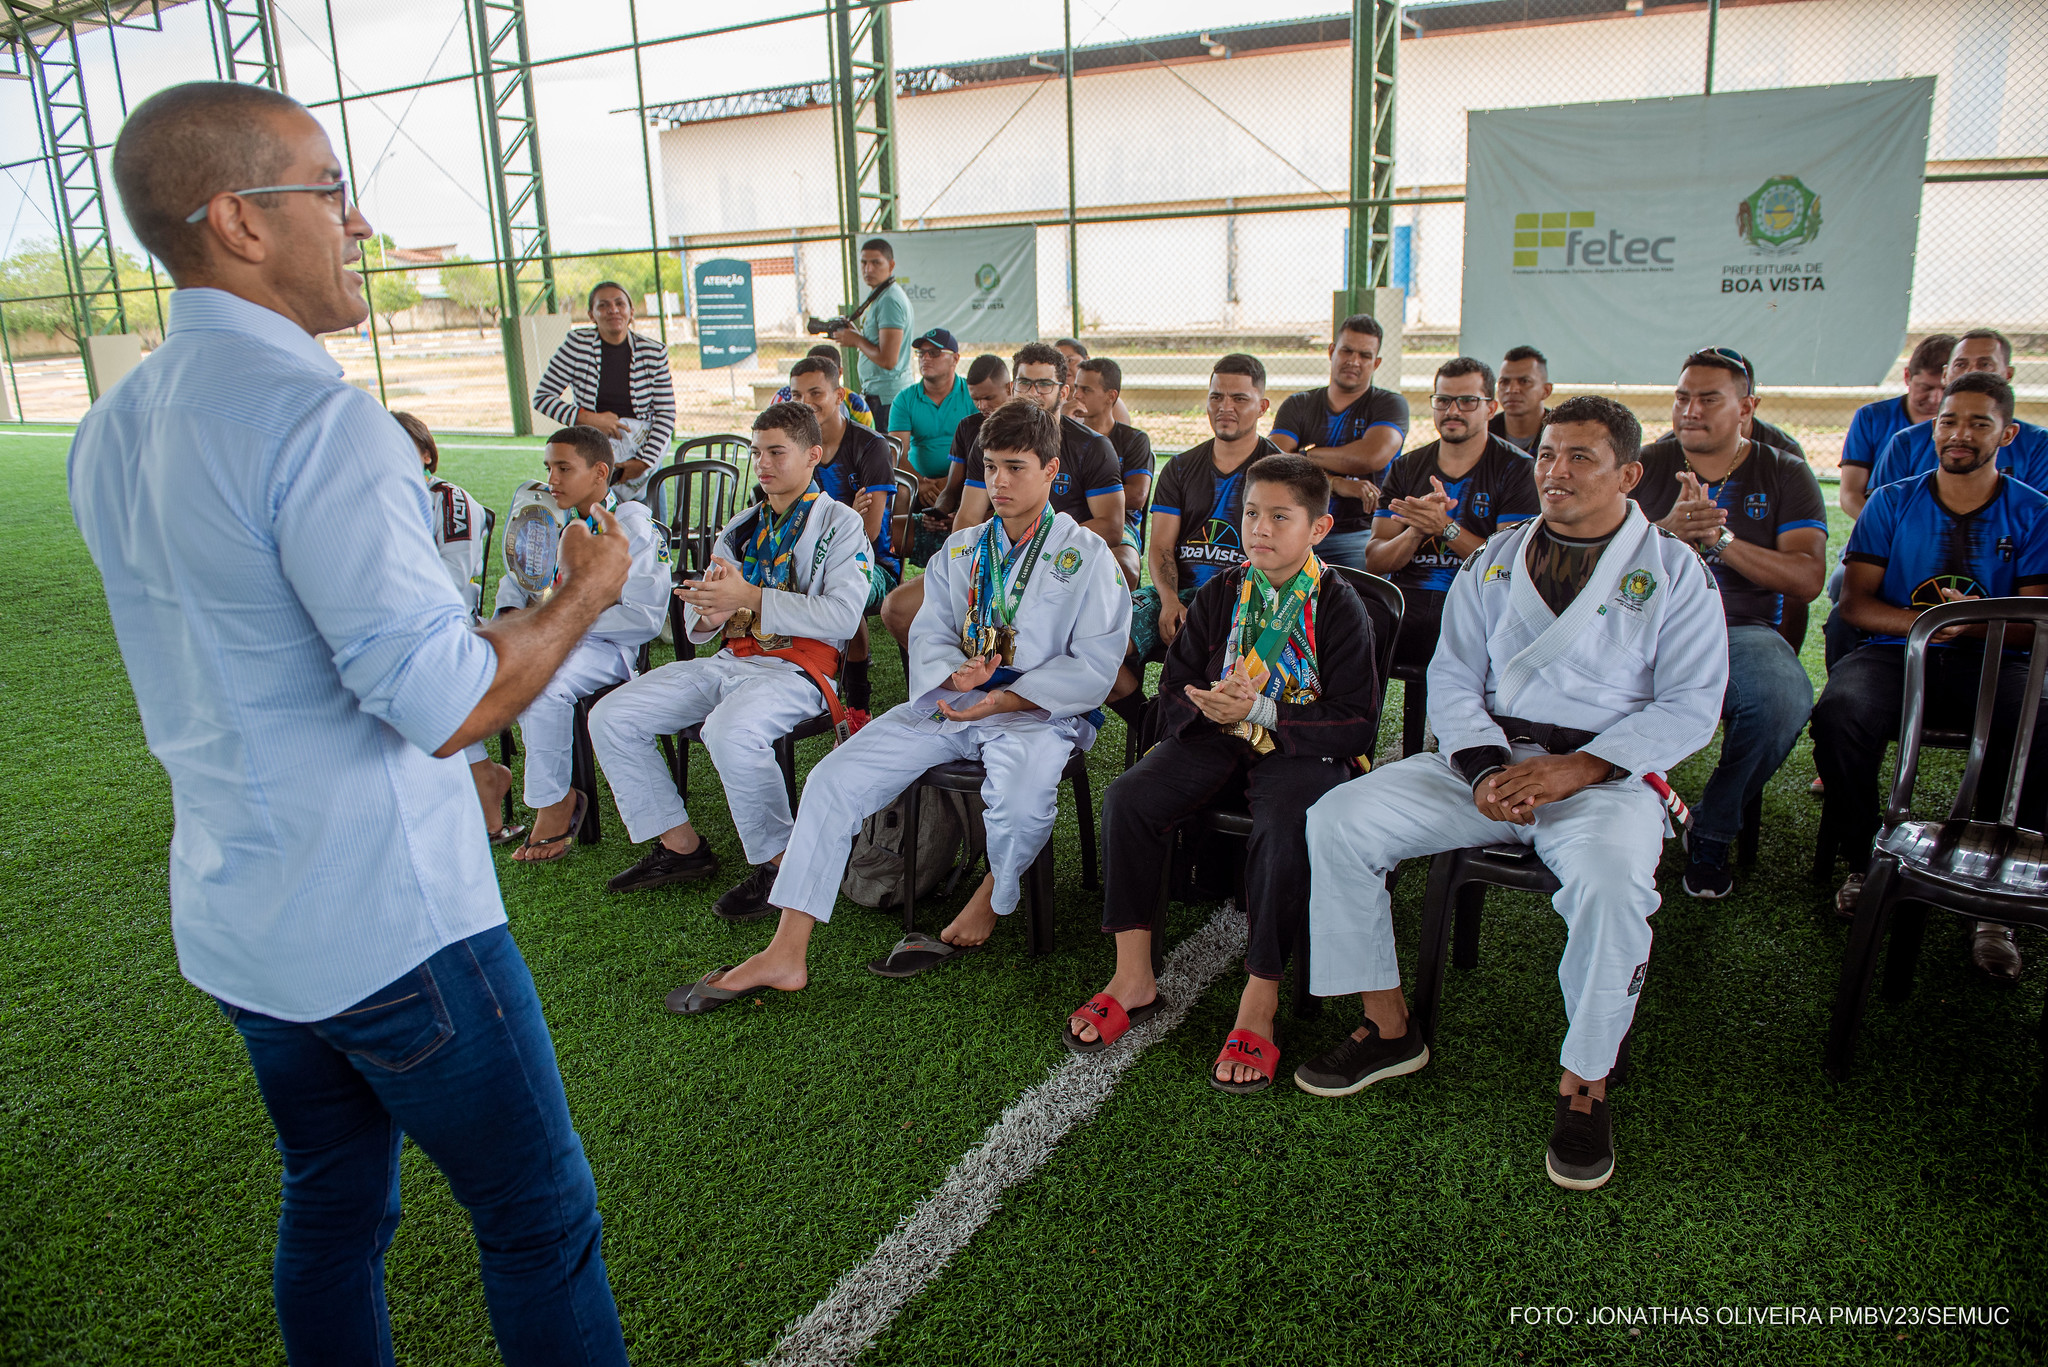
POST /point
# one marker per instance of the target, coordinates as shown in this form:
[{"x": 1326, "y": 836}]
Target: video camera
[{"x": 825, "y": 327}]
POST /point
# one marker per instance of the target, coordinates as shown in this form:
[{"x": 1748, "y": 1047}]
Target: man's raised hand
[{"x": 596, "y": 565}]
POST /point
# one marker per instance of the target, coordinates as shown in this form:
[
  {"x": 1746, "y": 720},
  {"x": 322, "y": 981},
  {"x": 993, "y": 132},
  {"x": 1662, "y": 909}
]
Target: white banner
[
  {"x": 980, "y": 284},
  {"x": 1616, "y": 238}
]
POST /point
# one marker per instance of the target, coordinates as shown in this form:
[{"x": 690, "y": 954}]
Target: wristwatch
[{"x": 1711, "y": 552}]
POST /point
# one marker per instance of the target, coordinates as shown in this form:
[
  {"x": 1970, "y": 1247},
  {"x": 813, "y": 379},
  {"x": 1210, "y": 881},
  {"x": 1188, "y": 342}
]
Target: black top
[
  {"x": 1306, "y": 417},
  {"x": 615, "y": 378},
  {"x": 1133, "y": 457},
  {"x": 1498, "y": 425},
  {"x": 1340, "y": 724},
  {"x": 1498, "y": 491},
  {"x": 966, "y": 435},
  {"x": 1087, "y": 467},
  {"x": 1768, "y": 492},
  {"x": 1209, "y": 505},
  {"x": 864, "y": 459}
]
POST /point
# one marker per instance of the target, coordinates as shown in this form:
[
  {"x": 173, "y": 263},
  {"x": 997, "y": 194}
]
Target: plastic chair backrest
[
  {"x": 726, "y": 446},
  {"x": 1995, "y": 614},
  {"x": 484, "y": 573},
  {"x": 706, "y": 491},
  {"x": 1385, "y": 605},
  {"x": 906, "y": 493}
]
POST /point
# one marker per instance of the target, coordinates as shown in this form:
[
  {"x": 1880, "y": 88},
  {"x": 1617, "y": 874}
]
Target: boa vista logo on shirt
[
  {"x": 1637, "y": 586},
  {"x": 1063, "y": 568}
]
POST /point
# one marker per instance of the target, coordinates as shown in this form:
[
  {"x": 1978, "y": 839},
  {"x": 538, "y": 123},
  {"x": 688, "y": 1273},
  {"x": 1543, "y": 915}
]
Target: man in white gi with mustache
[{"x": 1580, "y": 652}]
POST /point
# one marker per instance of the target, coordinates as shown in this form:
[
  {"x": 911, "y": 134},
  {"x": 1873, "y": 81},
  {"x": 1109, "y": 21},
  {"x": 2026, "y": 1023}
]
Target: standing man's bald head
[{"x": 193, "y": 149}]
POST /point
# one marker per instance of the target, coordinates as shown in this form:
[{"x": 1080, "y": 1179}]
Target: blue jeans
[
  {"x": 1768, "y": 698},
  {"x": 1345, "y": 548},
  {"x": 455, "y": 1054}
]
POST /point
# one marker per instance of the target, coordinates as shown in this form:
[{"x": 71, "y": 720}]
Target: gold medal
[
  {"x": 1005, "y": 644},
  {"x": 741, "y": 623}
]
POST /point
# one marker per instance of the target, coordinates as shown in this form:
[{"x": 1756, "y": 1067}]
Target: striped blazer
[{"x": 574, "y": 368}]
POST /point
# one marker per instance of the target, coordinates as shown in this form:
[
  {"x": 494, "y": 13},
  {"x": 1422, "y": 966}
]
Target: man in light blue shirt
[
  {"x": 883, "y": 334},
  {"x": 306, "y": 673}
]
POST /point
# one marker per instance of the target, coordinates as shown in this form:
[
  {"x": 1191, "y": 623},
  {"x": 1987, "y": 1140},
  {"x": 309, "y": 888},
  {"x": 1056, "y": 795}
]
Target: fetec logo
[{"x": 1541, "y": 237}]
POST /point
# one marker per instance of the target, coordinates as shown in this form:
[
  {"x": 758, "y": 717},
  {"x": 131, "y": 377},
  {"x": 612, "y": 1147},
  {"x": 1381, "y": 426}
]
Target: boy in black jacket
[{"x": 1270, "y": 690}]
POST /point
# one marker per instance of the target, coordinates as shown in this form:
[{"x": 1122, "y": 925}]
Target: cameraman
[{"x": 885, "y": 369}]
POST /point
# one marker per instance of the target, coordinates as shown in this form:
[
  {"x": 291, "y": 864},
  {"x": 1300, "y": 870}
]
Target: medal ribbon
[
  {"x": 769, "y": 554},
  {"x": 1280, "y": 642},
  {"x": 988, "y": 605}
]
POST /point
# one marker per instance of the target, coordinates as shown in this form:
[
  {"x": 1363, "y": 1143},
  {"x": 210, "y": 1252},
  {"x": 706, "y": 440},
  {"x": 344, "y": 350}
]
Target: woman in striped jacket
[{"x": 612, "y": 378}]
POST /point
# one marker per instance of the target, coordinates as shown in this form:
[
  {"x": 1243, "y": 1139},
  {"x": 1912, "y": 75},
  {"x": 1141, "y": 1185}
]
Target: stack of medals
[
  {"x": 769, "y": 562},
  {"x": 993, "y": 595},
  {"x": 1263, "y": 658}
]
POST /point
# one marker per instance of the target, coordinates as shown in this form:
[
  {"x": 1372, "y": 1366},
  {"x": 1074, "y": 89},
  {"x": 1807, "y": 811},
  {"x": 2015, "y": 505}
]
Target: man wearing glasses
[
  {"x": 1755, "y": 515},
  {"x": 1439, "y": 503},
  {"x": 305, "y": 672}
]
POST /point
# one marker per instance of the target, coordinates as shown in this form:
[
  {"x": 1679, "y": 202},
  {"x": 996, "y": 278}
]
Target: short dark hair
[
  {"x": 827, "y": 350},
  {"x": 1985, "y": 383},
  {"x": 1365, "y": 323},
  {"x": 828, "y": 366},
  {"x": 1112, "y": 374},
  {"x": 589, "y": 443},
  {"x": 184, "y": 145},
  {"x": 1932, "y": 353},
  {"x": 792, "y": 417},
  {"x": 1624, "y": 433},
  {"x": 1305, "y": 480},
  {"x": 1040, "y": 353},
  {"x": 1237, "y": 363},
  {"x": 1468, "y": 365},
  {"x": 1021, "y": 425},
  {"x": 421, "y": 438},
  {"x": 879, "y": 244},
  {"x": 1527, "y": 353},
  {"x": 1714, "y": 360},
  {"x": 1990, "y": 335},
  {"x": 1075, "y": 343},
  {"x": 590, "y": 300},
  {"x": 986, "y": 367}
]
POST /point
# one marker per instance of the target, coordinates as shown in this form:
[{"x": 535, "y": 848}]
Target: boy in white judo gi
[
  {"x": 787, "y": 586},
  {"x": 1580, "y": 652},
  {"x": 1015, "y": 647},
  {"x": 579, "y": 476}
]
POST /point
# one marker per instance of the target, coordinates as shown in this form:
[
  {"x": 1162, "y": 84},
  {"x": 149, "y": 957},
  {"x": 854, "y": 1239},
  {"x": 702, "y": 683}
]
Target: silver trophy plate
[{"x": 533, "y": 537}]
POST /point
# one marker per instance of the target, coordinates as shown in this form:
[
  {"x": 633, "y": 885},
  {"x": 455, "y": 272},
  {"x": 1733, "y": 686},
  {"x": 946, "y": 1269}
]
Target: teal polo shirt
[{"x": 930, "y": 425}]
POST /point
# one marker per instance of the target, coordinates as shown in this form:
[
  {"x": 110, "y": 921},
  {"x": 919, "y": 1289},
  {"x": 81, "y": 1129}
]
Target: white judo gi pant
[
  {"x": 1024, "y": 758},
  {"x": 1603, "y": 843},
  {"x": 547, "y": 727},
  {"x": 744, "y": 705}
]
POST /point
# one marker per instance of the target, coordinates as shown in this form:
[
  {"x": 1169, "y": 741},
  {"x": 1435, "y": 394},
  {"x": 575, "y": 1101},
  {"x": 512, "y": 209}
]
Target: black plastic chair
[
  {"x": 583, "y": 758},
  {"x": 967, "y": 776},
  {"x": 785, "y": 752},
  {"x": 1385, "y": 606},
  {"x": 1978, "y": 870},
  {"x": 707, "y": 493}
]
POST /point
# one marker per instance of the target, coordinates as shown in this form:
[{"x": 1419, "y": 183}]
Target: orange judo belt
[{"x": 814, "y": 658}]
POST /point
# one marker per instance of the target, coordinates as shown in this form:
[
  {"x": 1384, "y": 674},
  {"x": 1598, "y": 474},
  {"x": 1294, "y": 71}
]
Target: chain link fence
[{"x": 1187, "y": 175}]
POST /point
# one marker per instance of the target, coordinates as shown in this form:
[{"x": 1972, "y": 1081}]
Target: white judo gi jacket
[
  {"x": 636, "y": 618},
  {"x": 1640, "y": 657},
  {"x": 1073, "y": 626},
  {"x": 458, "y": 526},
  {"x": 829, "y": 572}
]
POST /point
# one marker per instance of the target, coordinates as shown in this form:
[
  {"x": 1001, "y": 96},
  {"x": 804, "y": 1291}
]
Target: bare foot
[
  {"x": 493, "y": 781},
  {"x": 1256, "y": 1010},
  {"x": 977, "y": 920},
  {"x": 769, "y": 968},
  {"x": 550, "y": 821},
  {"x": 1569, "y": 1085}
]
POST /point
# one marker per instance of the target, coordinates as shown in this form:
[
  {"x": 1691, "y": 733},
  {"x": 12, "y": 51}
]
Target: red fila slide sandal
[
  {"x": 1253, "y": 1051},
  {"x": 1110, "y": 1020}
]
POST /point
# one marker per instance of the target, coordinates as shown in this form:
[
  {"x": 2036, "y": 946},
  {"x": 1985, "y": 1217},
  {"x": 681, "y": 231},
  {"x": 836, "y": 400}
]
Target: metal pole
[
  {"x": 1073, "y": 228},
  {"x": 348, "y": 157},
  {"x": 1713, "y": 36},
  {"x": 846, "y": 148},
  {"x": 647, "y": 162},
  {"x": 7, "y": 354}
]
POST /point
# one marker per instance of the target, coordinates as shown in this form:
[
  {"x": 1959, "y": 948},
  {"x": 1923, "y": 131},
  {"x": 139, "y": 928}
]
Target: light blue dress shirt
[{"x": 298, "y": 654}]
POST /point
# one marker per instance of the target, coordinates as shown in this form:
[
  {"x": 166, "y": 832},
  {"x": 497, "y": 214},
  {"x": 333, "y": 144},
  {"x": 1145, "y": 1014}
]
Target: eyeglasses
[
  {"x": 336, "y": 189},
  {"x": 1464, "y": 403},
  {"x": 1034, "y": 386},
  {"x": 1730, "y": 354}
]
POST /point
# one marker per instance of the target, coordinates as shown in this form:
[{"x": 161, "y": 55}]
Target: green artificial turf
[{"x": 745, "y": 1160}]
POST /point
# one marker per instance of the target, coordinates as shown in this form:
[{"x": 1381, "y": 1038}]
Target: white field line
[{"x": 864, "y": 1301}]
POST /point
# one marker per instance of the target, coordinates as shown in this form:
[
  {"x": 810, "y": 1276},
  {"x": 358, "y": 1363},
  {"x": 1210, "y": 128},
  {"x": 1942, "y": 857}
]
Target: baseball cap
[{"x": 939, "y": 338}]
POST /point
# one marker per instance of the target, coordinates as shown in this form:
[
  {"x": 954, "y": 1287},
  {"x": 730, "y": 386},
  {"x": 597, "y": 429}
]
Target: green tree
[
  {"x": 575, "y": 278},
  {"x": 389, "y": 293},
  {"x": 472, "y": 286},
  {"x": 36, "y": 275}
]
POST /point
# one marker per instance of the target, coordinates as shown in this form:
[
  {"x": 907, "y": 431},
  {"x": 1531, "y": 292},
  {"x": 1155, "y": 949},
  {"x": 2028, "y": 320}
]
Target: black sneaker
[
  {"x": 663, "y": 866},
  {"x": 1581, "y": 1152},
  {"x": 1356, "y": 1064},
  {"x": 748, "y": 900},
  {"x": 1706, "y": 874}
]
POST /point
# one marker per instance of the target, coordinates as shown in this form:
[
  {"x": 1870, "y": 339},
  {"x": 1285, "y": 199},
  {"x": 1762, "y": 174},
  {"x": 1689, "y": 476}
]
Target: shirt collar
[{"x": 211, "y": 310}]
